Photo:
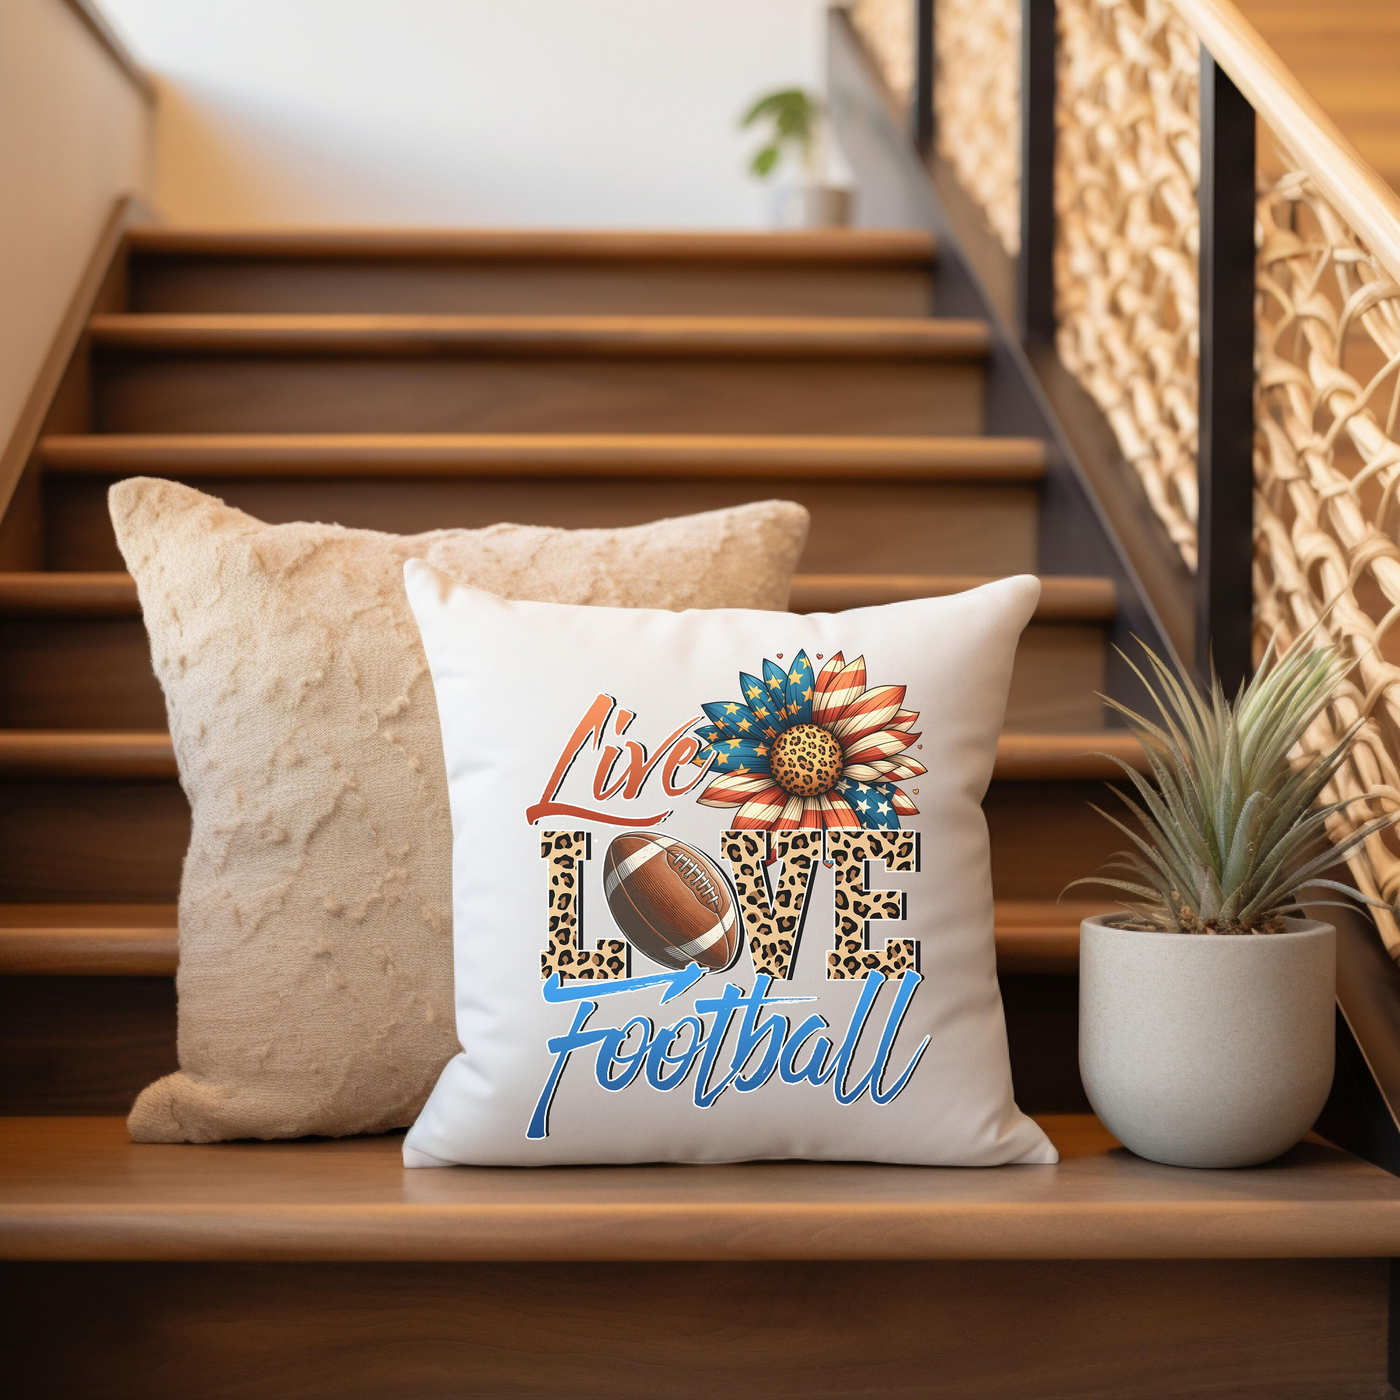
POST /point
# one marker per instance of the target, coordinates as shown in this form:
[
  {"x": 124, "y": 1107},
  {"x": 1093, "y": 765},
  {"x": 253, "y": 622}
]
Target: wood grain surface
[
  {"x": 1360, "y": 195},
  {"x": 1158, "y": 1330},
  {"x": 161, "y": 391},
  {"x": 87, "y": 1005},
  {"x": 78, "y": 1188},
  {"x": 777, "y": 249},
  {"x": 47, "y": 404},
  {"x": 1042, "y": 1037},
  {"x": 87, "y": 940},
  {"x": 681, "y": 337},
  {"x": 139, "y": 940},
  {"x": 1066, "y": 757},
  {"x": 77, "y": 672},
  {"x": 1346, "y": 54},
  {"x": 70, "y": 670},
  {"x": 119, "y": 755},
  {"x": 433, "y": 285},
  {"x": 83, "y": 1045},
  {"x": 70, "y": 841},
  {"x": 124, "y": 755},
  {"x": 1062, "y": 598},
  {"x": 36, "y": 594},
  {"x": 1036, "y": 937},
  {"x": 192, "y": 456},
  {"x": 1045, "y": 834},
  {"x": 929, "y": 526},
  {"x": 847, "y": 273}
]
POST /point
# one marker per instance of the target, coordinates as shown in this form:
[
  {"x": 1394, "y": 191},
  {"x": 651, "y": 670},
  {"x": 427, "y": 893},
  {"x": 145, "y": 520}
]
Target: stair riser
[
  {"x": 78, "y": 673},
  {"x": 1042, "y": 1038},
  {"x": 92, "y": 842},
  {"x": 1250, "y": 1330},
  {"x": 154, "y": 392},
  {"x": 1044, "y": 835},
  {"x": 445, "y": 287},
  {"x": 886, "y": 528},
  {"x": 120, "y": 842},
  {"x": 83, "y": 1045},
  {"x": 95, "y": 673}
]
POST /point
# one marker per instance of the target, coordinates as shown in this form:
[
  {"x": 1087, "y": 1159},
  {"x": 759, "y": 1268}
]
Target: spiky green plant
[
  {"x": 1231, "y": 834},
  {"x": 796, "y": 116}
]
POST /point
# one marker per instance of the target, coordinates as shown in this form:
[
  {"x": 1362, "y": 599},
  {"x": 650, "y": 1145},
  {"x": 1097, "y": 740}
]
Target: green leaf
[
  {"x": 775, "y": 103},
  {"x": 765, "y": 160},
  {"x": 794, "y": 115}
]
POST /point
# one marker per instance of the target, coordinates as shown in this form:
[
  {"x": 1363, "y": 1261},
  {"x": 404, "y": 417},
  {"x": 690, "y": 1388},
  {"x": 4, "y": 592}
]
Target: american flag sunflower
[{"x": 804, "y": 748}]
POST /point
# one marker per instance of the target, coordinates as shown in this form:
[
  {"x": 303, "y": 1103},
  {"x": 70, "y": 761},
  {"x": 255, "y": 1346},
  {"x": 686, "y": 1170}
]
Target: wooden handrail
[
  {"x": 1335, "y": 166},
  {"x": 96, "y": 24},
  {"x": 64, "y": 350}
]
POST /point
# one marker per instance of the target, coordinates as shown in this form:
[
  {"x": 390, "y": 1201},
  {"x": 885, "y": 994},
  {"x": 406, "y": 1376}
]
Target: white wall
[
  {"x": 74, "y": 135},
  {"x": 504, "y": 112}
]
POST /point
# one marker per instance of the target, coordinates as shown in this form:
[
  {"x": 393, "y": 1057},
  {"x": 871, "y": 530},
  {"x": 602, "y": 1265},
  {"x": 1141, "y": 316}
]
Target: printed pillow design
[{"x": 721, "y": 882}]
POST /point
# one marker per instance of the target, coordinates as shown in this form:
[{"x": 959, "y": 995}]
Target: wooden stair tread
[
  {"x": 835, "y": 248},
  {"x": 139, "y": 940},
  {"x": 88, "y": 940},
  {"x": 118, "y": 754},
  {"x": 1062, "y": 599},
  {"x": 87, "y": 916},
  {"x": 805, "y": 458},
  {"x": 115, "y": 754},
  {"x": 78, "y": 1188},
  {"x": 1038, "y": 936},
  {"x": 43, "y": 594},
  {"x": 706, "y": 337},
  {"x": 1066, "y": 757}
]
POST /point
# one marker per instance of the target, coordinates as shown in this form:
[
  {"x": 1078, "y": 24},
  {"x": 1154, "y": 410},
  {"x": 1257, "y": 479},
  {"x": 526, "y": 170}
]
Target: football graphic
[{"x": 671, "y": 901}]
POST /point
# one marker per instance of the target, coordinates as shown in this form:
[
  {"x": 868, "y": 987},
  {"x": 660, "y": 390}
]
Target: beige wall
[
  {"x": 503, "y": 112},
  {"x": 74, "y": 135}
]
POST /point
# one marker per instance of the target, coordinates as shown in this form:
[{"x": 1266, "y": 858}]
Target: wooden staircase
[{"x": 409, "y": 382}]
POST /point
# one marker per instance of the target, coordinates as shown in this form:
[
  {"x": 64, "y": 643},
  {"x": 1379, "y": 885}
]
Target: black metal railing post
[
  {"x": 1225, "y": 461},
  {"x": 1035, "y": 265},
  {"x": 921, "y": 102}
]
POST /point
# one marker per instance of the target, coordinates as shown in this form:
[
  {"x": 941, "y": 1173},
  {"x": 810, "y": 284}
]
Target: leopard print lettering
[
  {"x": 773, "y": 928},
  {"x": 566, "y": 852},
  {"x": 857, "y": 907}
]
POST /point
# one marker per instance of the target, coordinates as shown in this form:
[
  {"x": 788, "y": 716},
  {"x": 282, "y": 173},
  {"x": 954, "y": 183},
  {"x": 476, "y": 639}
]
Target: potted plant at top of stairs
[
  {"x": 798, "y": 125},
  {"x": 1206, "y": 1034}
]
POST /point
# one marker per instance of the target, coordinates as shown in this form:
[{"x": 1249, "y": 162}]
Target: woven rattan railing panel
[
  {"x": 976, "y": 92},
  {"x": 1126, "y": 291},
  {"x": 1327, "y": 412},
  {"x": 1327, "y": 472},
  {"x": 886, "y": 27},
  {"x": 977, "y": 105}
]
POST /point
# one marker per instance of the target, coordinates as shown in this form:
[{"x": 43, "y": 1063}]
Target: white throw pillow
[{"x": 721, "y": 882}]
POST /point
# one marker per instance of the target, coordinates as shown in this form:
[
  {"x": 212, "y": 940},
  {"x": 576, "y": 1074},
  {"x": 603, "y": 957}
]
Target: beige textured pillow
[{"x": 315, "y": 982}]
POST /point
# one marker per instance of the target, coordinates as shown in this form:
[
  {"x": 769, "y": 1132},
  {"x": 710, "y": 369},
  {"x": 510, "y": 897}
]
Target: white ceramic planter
[
  {"x": 811, "y": 206},
  {"x": 1207, "y": 1051}
]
